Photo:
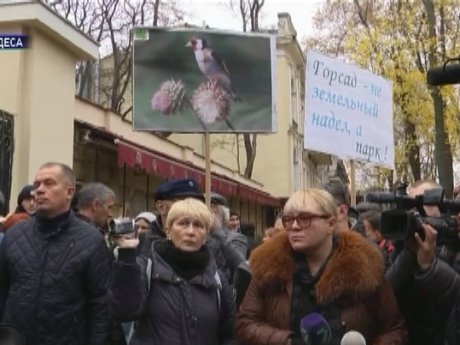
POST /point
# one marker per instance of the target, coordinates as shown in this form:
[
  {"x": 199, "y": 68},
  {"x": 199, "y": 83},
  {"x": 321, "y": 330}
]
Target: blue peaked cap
[{"x": 183, "y": 188}]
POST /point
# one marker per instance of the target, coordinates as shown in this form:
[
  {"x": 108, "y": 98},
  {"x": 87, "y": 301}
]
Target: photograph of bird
[{"x": 211, "y": 65}]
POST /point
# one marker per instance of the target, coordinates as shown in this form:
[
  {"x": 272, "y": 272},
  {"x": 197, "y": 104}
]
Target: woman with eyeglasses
[{"x": 310, "y": 285}]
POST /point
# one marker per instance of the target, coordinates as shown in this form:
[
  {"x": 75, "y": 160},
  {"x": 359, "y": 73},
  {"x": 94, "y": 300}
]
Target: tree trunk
[
  {"x": 443, "y": 151},
  {"x": 156, "y": 12},
  {"x": 413, "y": 149},
  {"x": 250, "y": 147}
]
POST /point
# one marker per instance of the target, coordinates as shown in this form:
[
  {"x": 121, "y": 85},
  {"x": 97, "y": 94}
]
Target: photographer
[{"x": 425, "y": 286}]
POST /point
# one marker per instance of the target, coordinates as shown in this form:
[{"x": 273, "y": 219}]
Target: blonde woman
[
  {"x": 176, "y": 293},
  {"x": 308, "y": 270}
]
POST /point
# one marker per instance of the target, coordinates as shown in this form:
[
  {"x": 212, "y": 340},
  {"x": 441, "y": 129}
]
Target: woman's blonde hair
[
  {"x": 192, "y": 208},
  {"x": 312, "y": 198}
]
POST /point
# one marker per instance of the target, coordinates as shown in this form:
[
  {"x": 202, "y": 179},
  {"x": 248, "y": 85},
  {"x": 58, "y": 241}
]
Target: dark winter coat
[
  {"x": 53, "y": 281},
  {"x": 116, "y": 335},
  {"x": 352, "y": 283},
  {"x": 229, "y": 249},
  {"x": 154, "y": 235},
  {"x": 173, "y": 311},
  {"x": 426, "y": 298}
]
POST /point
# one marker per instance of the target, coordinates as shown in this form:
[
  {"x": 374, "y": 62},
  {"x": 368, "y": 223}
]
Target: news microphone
[
  {"x": 380, "y": 197},
  {"x": 446, "y": 75},
  {"x": 315, "y": 330},
  {"x": 353, "y": 338}
]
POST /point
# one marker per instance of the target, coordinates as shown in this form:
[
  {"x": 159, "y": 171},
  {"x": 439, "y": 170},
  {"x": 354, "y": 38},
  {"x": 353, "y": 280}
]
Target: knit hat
[
  {"x": 218, "y": 199},
  {"x": 148, "y": 216},
  {"x": 27, "y": 192}
]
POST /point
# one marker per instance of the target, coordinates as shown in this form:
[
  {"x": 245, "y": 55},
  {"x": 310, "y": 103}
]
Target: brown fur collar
[{"x": 355, "y": 268}]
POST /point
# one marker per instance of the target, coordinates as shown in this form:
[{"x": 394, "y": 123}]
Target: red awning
[{"x": 158, "y": 164}]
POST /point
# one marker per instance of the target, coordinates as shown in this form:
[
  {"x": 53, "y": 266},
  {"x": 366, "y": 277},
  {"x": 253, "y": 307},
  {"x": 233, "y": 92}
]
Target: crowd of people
[{"x": 193, "y": 275}]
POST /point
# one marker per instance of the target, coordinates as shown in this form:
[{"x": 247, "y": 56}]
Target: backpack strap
[
  {"x": 219, "y": 289},
  {"x": 148, "y": 271},
  {"x": 132, "y": 325}
]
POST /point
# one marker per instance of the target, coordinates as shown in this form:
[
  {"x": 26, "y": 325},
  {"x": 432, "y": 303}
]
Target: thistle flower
[
  {"x": 169, "y": 99},
  {"x": 211, "y": 102}
]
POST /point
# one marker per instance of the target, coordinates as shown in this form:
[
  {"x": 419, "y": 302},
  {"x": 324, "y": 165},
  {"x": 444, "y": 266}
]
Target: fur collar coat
[{"x": 352, "y": 281}]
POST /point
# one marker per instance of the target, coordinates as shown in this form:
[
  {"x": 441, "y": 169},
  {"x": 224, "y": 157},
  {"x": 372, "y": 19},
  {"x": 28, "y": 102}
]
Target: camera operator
[{"x": 426, "y": 287}]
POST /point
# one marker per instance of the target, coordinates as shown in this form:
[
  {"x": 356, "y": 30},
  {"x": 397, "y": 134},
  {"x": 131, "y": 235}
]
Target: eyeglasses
[{"x": 303, "y": 220}]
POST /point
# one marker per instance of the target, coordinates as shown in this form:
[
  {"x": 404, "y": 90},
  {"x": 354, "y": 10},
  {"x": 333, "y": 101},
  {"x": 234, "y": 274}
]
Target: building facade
[
  {"x": 38, "y": 90},
  {"x": 42, "y": 120}
]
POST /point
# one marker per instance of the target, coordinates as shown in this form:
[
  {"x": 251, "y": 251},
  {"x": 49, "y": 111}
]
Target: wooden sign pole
[
  {"x": 353, "y": 183},
  {"x": 207, "y": 144}
]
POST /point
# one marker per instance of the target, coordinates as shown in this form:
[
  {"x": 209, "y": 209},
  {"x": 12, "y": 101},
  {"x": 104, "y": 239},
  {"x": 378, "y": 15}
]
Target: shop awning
[{"x": 152, "y": 162}]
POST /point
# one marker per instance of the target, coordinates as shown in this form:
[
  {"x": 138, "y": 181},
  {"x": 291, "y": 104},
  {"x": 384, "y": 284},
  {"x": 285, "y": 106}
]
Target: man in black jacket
[
  {"x": 54, "y": 269},
  {"x": 95, "y": 204}
]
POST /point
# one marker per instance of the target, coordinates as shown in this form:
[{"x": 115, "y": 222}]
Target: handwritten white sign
[{"x": 348, "y": 112}]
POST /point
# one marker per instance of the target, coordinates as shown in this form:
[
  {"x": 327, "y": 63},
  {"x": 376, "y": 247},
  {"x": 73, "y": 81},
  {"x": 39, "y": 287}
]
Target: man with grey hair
[
  {"x": 233, "y": 245},
  {"x": 95, "y": 203}
]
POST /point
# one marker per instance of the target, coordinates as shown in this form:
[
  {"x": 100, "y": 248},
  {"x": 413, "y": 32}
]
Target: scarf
[{"x": 186, "y": 264}]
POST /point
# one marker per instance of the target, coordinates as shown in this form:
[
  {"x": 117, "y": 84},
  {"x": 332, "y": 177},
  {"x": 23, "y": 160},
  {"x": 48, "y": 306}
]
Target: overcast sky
[{"x": 217, "y": 14}]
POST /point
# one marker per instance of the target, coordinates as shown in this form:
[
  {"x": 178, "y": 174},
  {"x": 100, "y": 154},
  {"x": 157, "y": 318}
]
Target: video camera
[
  {"x": 447, "y": 74},
  {"x": 121, "y": 226},
  {"x": 408, "y": 215}
]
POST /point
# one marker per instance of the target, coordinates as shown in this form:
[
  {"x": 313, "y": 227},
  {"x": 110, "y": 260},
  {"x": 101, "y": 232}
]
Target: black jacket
[
  {"x": 116, "y": 334},
  {"x": 53, "y": 281},
  {"x": 154, "y": 235},
  {"x": 173, "y": 311},
  {"x": 425, "y": 298}
]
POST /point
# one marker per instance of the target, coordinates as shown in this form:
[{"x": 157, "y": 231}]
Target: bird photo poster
[{"x": 199, "y": 80}]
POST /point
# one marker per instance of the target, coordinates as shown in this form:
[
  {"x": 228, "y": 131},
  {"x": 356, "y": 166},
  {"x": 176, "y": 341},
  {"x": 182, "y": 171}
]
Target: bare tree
[
  {"x": 250, "y": 9},
  {"x": 249, "y": 12},
  {"x": 110, "y": 24},
  {"x": 86, "y": 16},
  {"x": 228, "y": 144},
  {"x": 443, "y": 150}
]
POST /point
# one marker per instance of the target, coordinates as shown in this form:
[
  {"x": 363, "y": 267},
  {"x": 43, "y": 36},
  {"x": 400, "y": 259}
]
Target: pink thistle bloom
[
  {"x": 211, "y": 102},
  {"x": 169, "y": 99}
]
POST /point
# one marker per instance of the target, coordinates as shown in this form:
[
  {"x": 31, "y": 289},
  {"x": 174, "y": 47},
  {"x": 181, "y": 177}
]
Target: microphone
[
  {"x": 446, "y": 75},
  {"x": 315, "y": 330},
  {"x": 353, "y": 338}
]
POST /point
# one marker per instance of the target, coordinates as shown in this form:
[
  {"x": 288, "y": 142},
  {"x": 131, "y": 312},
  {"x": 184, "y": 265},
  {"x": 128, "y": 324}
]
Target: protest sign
[{"x": 349, "y": 111}]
